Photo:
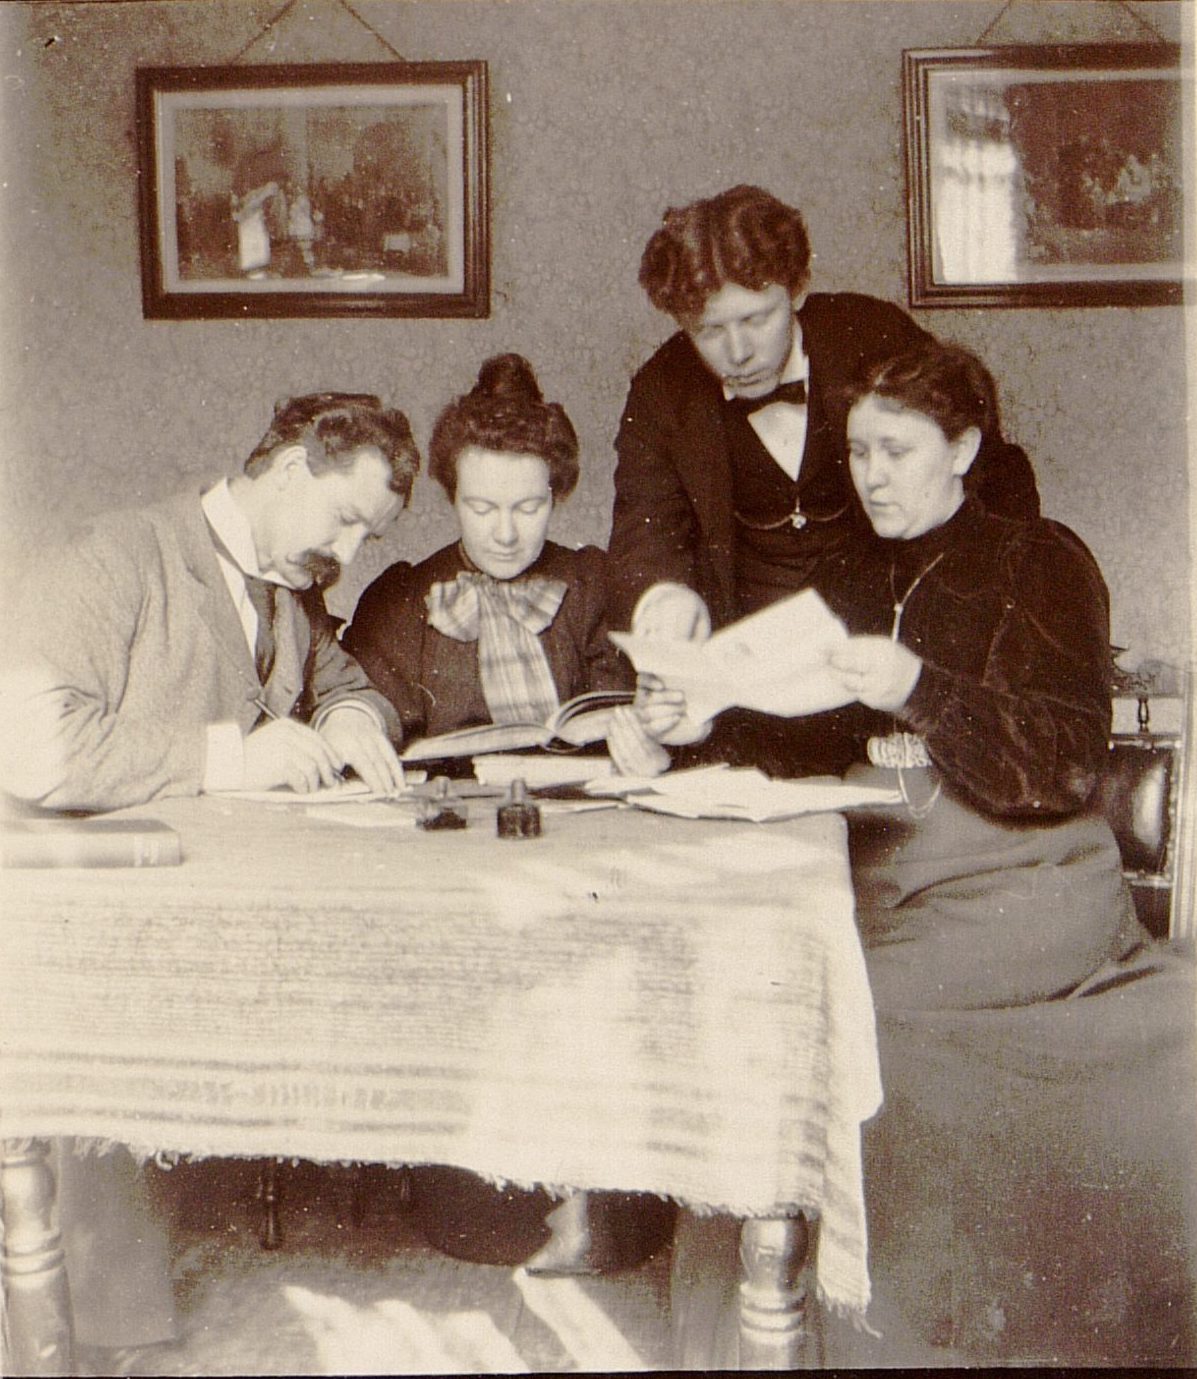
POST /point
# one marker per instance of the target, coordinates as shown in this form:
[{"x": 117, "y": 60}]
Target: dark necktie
[
  {"x": 784, "y": 392},
  {"x": 261, "y": 594}
]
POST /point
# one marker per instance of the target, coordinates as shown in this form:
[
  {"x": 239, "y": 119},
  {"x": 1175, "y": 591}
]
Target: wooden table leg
[
  {"x": 775, "y": 1331},
  {"x": 33, "y": 1266}
]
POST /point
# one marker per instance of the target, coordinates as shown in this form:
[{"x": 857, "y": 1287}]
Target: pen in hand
[{"x": 267, "y": 712}]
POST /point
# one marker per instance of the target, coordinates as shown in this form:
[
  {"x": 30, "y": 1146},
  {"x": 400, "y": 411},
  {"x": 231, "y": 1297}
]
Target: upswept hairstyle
[
  {"x": 505, "y": 411},
  {"x": 333, "y": 428},
  {"x": 943, "y": 381},
  {"x": 744, "y": 236}
]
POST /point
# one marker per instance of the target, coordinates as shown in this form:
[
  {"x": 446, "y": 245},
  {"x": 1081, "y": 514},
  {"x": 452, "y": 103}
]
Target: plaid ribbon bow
[{"x": 505, "y": 618}]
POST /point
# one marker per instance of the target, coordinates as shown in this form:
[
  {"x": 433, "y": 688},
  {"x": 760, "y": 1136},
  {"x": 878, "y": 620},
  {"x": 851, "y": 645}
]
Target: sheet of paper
[
  {"x": 538, "y": 772},
  {"x": 344, "y": 792},
  {"x": 774, "y": 661},
  {"x": 399, "y": 813},
  {"x": 722, "y": 792}
]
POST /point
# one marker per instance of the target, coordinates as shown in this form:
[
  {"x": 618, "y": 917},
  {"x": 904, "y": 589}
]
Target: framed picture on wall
[
  {"x": 1044, "y": 176},
  {"x": 347, "y": 190}
]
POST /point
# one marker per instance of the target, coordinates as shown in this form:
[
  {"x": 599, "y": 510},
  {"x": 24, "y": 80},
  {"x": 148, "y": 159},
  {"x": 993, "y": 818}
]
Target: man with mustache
[
  {"x": 181, "y": 648},
  {"x": 185, "y": 647}
]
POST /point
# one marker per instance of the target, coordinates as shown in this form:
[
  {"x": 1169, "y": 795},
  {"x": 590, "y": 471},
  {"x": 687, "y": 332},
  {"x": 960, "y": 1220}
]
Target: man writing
[
  {"x": 185, "y": 647},
  {"x": 182, "y": 648}
]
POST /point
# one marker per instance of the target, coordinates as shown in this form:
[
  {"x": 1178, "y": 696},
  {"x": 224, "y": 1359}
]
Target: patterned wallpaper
[{"x": 603, "y": 113}]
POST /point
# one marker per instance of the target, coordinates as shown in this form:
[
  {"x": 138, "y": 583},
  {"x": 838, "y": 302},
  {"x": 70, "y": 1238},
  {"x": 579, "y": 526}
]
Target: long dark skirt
[{"x": 1030, "y": 1177}]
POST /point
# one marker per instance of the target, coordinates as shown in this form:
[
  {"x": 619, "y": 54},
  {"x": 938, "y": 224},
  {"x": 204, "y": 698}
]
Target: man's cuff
[
  {"x": 321, "y": 717},
  {"x": 224, "y": 764}
]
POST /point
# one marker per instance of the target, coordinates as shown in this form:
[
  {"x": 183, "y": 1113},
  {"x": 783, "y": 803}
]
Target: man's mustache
[{"x": 324, "y": 570}]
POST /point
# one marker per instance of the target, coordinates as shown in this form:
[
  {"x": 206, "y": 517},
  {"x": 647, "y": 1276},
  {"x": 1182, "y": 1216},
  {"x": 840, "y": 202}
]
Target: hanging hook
[{"x": 290, "y": 5}]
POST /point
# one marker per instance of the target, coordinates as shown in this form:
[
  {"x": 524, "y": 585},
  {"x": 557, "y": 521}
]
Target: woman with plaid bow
[{"x": 503, "y": 625}]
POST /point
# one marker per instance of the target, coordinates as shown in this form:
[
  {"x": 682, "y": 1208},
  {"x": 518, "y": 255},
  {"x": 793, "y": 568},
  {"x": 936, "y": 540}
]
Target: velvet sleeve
[
  {"x": 385, "y": 637},
  {"x": 604, "y": 665},
  {"x": 1029, "y": 737}
]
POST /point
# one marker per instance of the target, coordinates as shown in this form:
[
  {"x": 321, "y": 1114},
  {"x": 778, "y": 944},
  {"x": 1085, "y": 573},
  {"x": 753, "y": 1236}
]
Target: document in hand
[
  {"x": 579, "y": 721},
  {"x": 774, "y": 660}
]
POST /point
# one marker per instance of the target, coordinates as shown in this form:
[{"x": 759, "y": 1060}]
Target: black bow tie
[{"x": 784, "y": 392}]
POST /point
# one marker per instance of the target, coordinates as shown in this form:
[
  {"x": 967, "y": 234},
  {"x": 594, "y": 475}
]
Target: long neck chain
[
  {"x": 918, "y": 811},
  {"x": 900, "y": 603}
]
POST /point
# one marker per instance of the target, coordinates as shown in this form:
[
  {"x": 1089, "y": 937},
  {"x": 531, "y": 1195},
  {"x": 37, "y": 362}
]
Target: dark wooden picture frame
[
  {"x": 324, "y": 190},
  {"x": 1045, "y": 176}
]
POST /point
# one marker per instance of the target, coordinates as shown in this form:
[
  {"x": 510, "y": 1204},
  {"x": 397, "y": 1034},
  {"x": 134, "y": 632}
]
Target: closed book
[{"x": 88, "y": 843}]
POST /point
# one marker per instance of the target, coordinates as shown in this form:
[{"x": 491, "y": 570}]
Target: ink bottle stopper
[
  {"x": 442, "y": 809},
  {"x": 518, "y": 818}
]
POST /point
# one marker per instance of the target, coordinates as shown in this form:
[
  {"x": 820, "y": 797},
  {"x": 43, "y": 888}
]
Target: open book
[
  {"x": 580, "y": 720},
  {"x": 774, "y": 660}
]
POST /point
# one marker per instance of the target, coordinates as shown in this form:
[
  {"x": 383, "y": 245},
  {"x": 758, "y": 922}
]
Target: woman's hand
[
  {"x": 879, "y": 672},
  {"x": 633, "y": 751},
  {"x": 662, "y": 713},
  {"x": 659, "y": 709}
]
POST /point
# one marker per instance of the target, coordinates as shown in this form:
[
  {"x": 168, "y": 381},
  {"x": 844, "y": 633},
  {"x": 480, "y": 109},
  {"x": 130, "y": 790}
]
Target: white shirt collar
[{"x": 232, "y": 526}]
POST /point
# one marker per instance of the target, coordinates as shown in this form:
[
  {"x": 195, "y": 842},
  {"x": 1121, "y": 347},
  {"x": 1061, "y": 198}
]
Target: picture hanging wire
[
  {"x": 281, "y": 14},
  {"x": 1121, "y": 4}
]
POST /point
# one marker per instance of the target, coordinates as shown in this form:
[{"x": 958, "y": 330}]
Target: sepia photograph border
[{"x": 433, "y": 261}]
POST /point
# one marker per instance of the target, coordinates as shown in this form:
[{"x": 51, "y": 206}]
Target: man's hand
[
  {"x": 356, "y": 740},
  {"x": 286, "y": 752},
  {"x": 672, "y": 611},
  {"x": 879, "y": 672}
]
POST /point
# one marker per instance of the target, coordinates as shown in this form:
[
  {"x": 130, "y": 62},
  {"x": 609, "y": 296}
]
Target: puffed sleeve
[
  {"x": 1029, "y": 737},
  {"x": 386, "y": 639},
  {"x": 604, "y": 666}
]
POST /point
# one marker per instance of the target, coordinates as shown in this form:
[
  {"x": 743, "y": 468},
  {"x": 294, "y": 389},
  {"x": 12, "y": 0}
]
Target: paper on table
[
  {"x": 344, "y": 792},
  {"x": 774, "y": 660},
  {"x": 398, "y": 813},
  {"x": 722, "y": 792},
  {"x": 538, "y": 772}
]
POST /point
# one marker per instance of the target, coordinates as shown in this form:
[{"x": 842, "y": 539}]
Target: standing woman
[
  {"x": 1030, "y": 1175},
  {"x": 503, "y": 625}
]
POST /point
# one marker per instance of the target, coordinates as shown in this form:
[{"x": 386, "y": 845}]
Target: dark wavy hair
[
  {"x": 946, "y": 382},
  {"x": 505, "y": 411},
  {"x": 334, "y": 428},
  {"x": 744, "y": 235}
]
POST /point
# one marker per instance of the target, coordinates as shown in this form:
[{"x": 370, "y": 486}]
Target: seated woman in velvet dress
[
  {"x": 503, "y": 625},
  {"x": 1036, "y": 1138},
  {"x": 1030, "y": 1176}
]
